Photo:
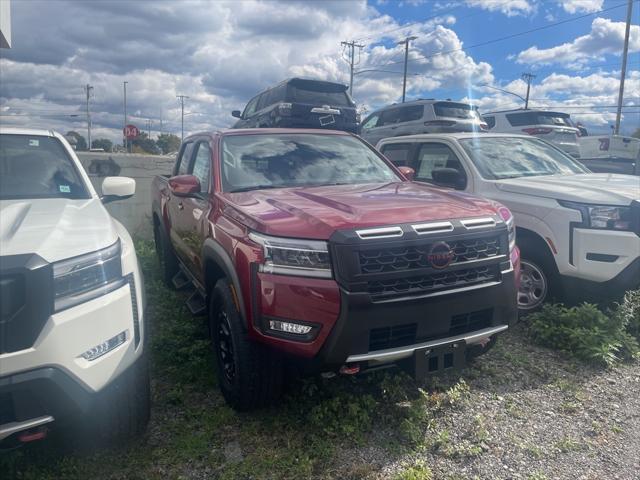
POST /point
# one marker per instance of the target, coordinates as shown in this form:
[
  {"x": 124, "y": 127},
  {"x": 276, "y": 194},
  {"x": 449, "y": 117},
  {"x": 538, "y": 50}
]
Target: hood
[
  {"x": 596, "y": 188},
  {"x": 55, "y": 228},
  {"x": 317, "y": 212}
]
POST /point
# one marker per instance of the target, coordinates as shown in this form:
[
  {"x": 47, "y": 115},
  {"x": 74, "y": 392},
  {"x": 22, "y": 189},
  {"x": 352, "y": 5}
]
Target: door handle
[{"x": 180, "y": 206}]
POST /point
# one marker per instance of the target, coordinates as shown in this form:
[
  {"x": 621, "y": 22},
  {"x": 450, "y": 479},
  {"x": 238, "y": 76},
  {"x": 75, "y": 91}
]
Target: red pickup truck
[{"x": 309, "y": 249}]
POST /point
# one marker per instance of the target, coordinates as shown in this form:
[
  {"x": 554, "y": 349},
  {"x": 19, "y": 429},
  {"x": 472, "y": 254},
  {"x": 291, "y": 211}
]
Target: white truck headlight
[
  {"x": 288, "y": 256},
  {"x": 604, "y": 217},
  {"x": 80, "y": 279}
]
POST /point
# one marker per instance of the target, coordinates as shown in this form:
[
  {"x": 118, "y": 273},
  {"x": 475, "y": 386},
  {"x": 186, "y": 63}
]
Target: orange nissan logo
[{"x": 440, "y": 256}]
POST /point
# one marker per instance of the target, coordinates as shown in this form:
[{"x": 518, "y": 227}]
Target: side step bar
[
  {"x": 197, "y": 304},
  {"x": 180, "y": 280}
]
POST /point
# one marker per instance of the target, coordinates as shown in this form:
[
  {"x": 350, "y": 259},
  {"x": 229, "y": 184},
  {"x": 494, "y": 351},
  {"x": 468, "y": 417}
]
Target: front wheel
[
  {"x": 534, "y": 286},
  {"x": 250, "y": 376}
]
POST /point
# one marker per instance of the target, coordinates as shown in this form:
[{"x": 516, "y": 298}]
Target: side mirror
[
  {"x": 117, "y": 188},
  {"x": 408, "y": 172},
  {"x": 236, "y": 113},
  {"x": 184, "y": 185},
  {"x": 448, "y": 177}
]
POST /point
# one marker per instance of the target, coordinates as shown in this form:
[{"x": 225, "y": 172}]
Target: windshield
[
  {"x": 456, "y": 110},
  {"x": 511, "y": 157},
  {"x": 299, "y": 160},
  {"x": 33, "y": 166}
]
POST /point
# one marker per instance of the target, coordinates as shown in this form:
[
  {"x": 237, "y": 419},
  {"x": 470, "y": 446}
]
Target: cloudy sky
[{"x": 221, "y": 53}]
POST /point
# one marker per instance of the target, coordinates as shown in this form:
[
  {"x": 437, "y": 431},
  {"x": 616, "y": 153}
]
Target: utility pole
[
  {"x": 527, "y": 77},
  {"x": 149, "y": 122},
  {"x": 352, "y": 55},
  {"x": 124, "y": 141},
  {"x": 182, "y": 97},
  {"x": 406, "y": 60},
  {"x": 88, "y": 89},
  {"x": 623, "y": 71}
]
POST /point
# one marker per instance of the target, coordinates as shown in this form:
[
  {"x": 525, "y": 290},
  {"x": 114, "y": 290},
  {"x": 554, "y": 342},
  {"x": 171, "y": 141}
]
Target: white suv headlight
[
  {"x": 80, "y": 279},
  {"x": 288, "y": 256}
]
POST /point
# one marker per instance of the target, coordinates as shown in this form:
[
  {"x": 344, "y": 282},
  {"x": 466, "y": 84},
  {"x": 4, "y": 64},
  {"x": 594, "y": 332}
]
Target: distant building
[{"x": 5, "y": 24}]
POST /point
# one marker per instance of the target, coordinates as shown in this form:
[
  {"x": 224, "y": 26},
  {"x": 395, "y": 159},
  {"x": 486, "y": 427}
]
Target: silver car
[{"x": 421, "y": 116}]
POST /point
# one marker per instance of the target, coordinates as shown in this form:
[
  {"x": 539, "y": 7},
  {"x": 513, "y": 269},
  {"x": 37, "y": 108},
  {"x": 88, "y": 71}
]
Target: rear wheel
[
  {"x": 166, "y": 256},
  {"x": 250, "y": 376}
]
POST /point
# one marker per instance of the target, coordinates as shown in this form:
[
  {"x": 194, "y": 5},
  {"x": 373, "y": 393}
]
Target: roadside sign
[{"x": 130, "y": 132}]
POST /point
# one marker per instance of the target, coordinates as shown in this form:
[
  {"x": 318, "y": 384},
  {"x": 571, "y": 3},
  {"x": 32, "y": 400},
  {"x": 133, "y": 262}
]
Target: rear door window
[
  {"x": 490, "y": 121},
  {"x": 412, "y": 113},
  {"x": 315, "y": 97},
  {"x": 398, "y": 153},
  {"x": 435, "y": 155},
  {"x": 455, "y": 110}
]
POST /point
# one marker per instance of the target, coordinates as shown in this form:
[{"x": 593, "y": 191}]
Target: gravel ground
[{"x": 530, "y": 414}]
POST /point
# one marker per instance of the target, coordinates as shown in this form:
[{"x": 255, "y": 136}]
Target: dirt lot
[{"x": 520, "y": 412}]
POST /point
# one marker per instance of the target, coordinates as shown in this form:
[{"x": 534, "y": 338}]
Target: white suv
[
  {"x": 554, "y": 127},
  {"x": 71, "y": 297},
  {"x": 578, "y": 232}
]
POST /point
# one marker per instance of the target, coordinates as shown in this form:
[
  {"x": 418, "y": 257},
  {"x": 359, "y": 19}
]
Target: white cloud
[
  {"x": 510, "y": 8},
  {"x": 605, "y": 37},
  {"x": 589, "y": 99},
  {"x": 581, "y": 6}
]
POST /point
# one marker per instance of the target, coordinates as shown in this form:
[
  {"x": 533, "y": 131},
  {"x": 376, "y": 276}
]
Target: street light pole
[
  {"x": 124, "y": 142},
  {"x": 182, "y": 97},
  {"x": 88, "y": 89},
  {"x": 406, "y": 60},
  {"x": 623, "y": 71}
]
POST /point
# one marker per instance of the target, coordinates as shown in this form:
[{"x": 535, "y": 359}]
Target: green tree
[
  {"x": 144, "y": 144},
  {"x": 80, "y": 142},
  {"x": 168, "y": 143},
  {"x": 103, "y": 143}
]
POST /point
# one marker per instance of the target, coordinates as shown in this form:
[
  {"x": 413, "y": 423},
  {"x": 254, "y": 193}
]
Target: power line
[{"x": 507, "y": 37}]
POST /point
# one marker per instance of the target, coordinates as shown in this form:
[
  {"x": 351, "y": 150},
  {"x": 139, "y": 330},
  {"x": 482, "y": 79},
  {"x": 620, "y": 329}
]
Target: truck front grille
[
  {"x": 404, "y": 258},
  {"x": 470, "y": 322},
  {"x": 433, "y": 282},
  {"x": 390, "y": 337}
]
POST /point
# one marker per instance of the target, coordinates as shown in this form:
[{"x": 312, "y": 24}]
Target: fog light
[
  {"x": 104, "y": 347},
  {"x": 289, "y": 327}
]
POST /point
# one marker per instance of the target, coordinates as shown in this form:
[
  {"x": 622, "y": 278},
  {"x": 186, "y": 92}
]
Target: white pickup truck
[
  {"x": 71, "y": 298},
  {"x": 578, "y": 232}
]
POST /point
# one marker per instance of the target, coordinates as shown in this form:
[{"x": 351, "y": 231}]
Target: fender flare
[{"x": 214, "y": 251}]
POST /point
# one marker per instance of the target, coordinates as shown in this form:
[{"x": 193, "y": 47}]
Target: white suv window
[
  {"x": 397, "y": 153},
  {"x": 432, "y": 156}
]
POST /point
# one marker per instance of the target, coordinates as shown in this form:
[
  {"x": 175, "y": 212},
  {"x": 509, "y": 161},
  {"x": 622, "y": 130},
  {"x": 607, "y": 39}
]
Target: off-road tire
[
  {"x": 258, "y": 373},
  {"x": 166, "y": 256}
]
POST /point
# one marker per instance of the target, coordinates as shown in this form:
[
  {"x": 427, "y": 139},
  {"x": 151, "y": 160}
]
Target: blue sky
[{"x": 222, "y": 53}]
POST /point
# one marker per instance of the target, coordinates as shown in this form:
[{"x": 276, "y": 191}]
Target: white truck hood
[
  {"x": 54, "y": 228},
  {"x": 595, "y": 188}
]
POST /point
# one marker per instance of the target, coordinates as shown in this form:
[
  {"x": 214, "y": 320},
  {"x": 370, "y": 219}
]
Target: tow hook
[
  {"x": 32, "y": 435},
  {"x": 350, "y": 369}
]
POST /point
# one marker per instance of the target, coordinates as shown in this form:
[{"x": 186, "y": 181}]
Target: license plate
[
  {"x": 327, "y": 120},
  {"x": 438, "y": 359}
]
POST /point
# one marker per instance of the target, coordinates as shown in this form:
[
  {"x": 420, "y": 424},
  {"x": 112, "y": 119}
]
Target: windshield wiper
[{"x": 255, "y": 187}]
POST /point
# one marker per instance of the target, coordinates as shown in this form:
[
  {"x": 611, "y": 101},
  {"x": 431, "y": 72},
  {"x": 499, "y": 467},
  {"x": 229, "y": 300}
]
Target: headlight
[
  {"x": 80, "y": 279},
  {"x": 507, "y": 216},
  {"x": 287, "y": 256},
  {"x": 603, "y": 216}
]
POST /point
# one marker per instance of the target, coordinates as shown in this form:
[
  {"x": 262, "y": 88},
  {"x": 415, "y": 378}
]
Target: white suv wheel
[{"x": 534, "y": 286}]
